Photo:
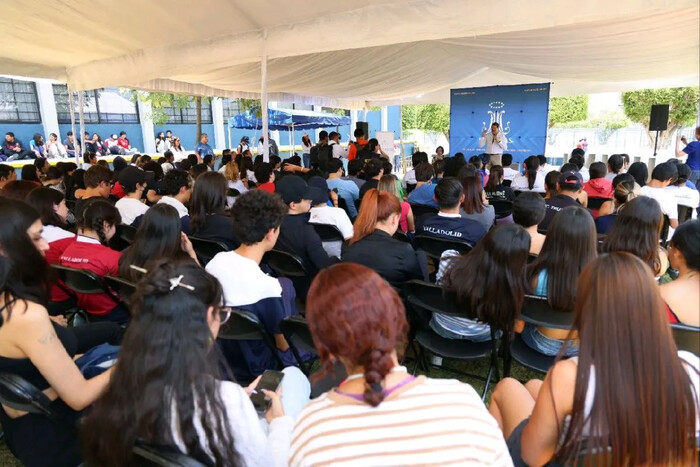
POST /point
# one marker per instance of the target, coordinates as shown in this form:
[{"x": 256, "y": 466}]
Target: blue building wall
[{"x": 23, "y": 132}]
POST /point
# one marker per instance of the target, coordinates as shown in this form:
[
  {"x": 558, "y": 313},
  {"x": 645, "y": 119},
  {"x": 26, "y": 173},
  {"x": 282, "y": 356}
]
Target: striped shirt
[{"x": 427, "y": 421}]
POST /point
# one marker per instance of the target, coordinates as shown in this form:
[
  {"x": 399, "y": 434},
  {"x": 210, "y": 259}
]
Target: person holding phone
[
  {"x": 495, "y": 141},
  {"x": 167, "y": 389}
]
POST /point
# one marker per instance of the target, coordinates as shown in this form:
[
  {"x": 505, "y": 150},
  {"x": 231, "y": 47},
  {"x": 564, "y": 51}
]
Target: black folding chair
[
  {"x": 232, "y": 192},
  {"x": 664, "y": 231},
  {"x": 421, "y": 210},
  {"x": 507, "y": 182},
  {"x": 328, "y": 233},
  {"x": 127, "y": 233},
  {"x": 149, "y": 455},
  {"x": 402, "y": 236},
  {"x": 123, "y": 287},
  {"x": 296, "y": 332},
  {"x": 207, "y": 249},
  {"x": 85, "y": 282},
  {"x": 434, "y": 247},
  {"x": 686, "y": 337},
  {"x": 424, "y": 299},
  {"x": 596, "y": 203},
  {"x": 410, "y": 187},
  {"x": 245, "y": 326},
  {"x": 342, "y": 204},
  {"x": 19, "y": 394},
  {"x": 503, "y": 208},
  {"x": 537, "y": 312},
  {"x": 285, "y": 264}
]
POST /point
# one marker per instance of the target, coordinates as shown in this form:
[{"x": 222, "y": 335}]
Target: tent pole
[
  {"x": 263, "y": 100},
  {"x": 71, "y": 108},
  {"x": 291, "y": 140},
  {"x": 81, "y": 116},
  {"x": 229, "y": 137}
]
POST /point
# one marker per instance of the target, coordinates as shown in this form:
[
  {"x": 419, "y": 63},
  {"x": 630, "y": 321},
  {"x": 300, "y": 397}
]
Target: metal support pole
[
  {"x": 71, "y": 109},
  {"x": 81, "y": 116}
]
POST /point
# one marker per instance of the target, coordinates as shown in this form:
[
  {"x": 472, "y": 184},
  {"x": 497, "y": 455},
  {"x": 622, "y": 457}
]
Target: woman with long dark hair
[
  {"x": 167, "y": 389},
  {"x": 487, "y": 281},
  {"x": 376, "y": 223},
  {"x": 570, "y": 245},
  {"x": 178, "y": 151},
  {"x": 475, "y": 206},
  {"x": 37, "y": 348},
  {"x": 306, "y": 146},
  {"x": 532, "y": 180},
  {"x": 629, "y": 390},
  {"x": 384, "y": 415},
  {"x": 30, "y": 173},
  {"x": 637, "y": 230},
  {"x": 682, "y": 296},
  {"x": 207, "y": 218},
  {"x": 159, "y": 236},
  {"x": 495, "y": 190}
]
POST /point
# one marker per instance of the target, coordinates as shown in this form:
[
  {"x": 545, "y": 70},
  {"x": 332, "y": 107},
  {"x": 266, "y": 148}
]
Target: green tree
[
  {"x": 161, "y": 100},
  {"x": 683, "y": 109},
  {"x": 433, "y": 118},
  {"x": 567, "y": 109}
]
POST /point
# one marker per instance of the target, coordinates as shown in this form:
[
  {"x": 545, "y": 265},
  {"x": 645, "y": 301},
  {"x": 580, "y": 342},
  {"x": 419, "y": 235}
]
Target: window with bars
[
  {"x": 19, "y": 102},
  {"x": 189, "y": 113},
  {"x": 231, "y": 108},
  {"x": 99, "y": 106}
]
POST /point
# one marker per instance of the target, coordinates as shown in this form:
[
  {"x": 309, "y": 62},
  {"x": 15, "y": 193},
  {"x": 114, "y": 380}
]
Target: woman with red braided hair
[{"x": 380, "y": 414}]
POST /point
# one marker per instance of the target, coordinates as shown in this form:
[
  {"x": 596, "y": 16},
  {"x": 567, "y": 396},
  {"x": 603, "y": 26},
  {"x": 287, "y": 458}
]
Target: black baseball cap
[
  {"x": 293, "y": 189},
  {"x": 320, "y": 183},
  {"x": 130, "y": 176},
  {"x": 571, "y": 180}
]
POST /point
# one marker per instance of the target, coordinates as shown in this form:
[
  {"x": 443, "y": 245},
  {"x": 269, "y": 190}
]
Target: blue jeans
[
  {"x": 306, "y": 160},
  {"x": 545, "y": 345},
  {"x": 695, "y": 178}
]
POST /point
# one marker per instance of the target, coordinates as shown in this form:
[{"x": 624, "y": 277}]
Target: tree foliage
[
  {"x": 683, "y": 108},
  {"x": 567, "y": 109},
  {"x": 432, "y": 118}
]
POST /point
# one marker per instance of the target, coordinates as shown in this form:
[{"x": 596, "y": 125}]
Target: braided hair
[{"x": 96, "y": 213}]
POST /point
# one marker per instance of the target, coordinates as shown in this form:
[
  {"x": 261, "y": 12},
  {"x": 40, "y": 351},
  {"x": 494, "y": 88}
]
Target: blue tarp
[{"x": 288, "y": 119}]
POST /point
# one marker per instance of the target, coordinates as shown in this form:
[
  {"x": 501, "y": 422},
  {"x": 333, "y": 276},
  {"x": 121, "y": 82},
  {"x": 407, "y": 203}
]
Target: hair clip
[
  {"x": 177, "y": 282},
  {"x": 139, "y": 269}
]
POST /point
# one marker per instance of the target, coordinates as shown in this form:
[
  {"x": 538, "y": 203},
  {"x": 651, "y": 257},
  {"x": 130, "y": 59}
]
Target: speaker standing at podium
[
  {"x": 496, "y": 142},
  {"x": 692, "y": 150}
]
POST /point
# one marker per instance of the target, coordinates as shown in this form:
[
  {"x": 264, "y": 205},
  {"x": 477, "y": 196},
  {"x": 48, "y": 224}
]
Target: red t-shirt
[
  {"x": 268, "y": 186},
  {"x": 118, "y": 190},
  {"x": 123, "y": 142},
  {"x": 352, "y": 148},
  {"x": 87, "y": 253},
  {"x": 58, "y": 240}
]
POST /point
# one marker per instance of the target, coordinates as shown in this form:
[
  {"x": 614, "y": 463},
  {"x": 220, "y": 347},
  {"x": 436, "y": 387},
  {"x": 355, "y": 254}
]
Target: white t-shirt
[
  {"x": 520, "y": 183},
  {"x": 129, "y": 209},
  {"x": 181, "y": 208},
  {"x": 52, "y": 233},
  {"x": 509, "y": 174},
  {"x": 336, "y": 217},
  {"x": 685, "y": 196},
  {"x": 668, "y": 203},
  {"x": 248, "y": 285},
  {"x": 254, "y": 446}
]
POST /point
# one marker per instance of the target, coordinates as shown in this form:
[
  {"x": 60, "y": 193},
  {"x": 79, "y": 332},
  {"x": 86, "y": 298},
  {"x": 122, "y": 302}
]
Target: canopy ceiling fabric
[
  {"x": 287, "y": 120},
  {"x": 355, "y": 53}
]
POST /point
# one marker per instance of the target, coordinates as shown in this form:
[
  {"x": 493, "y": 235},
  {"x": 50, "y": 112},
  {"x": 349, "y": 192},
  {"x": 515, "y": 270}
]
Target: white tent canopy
[{"x": 352, "y": 53}]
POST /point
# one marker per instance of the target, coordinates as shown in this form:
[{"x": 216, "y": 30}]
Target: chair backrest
[
  {"x": 207, "y": 249},
  {"x": 328, "y": 233},
  {"x": 123, "y": 287},
  {"x": 285, "y": 264},
  {"x": 507, "y": 182},
  {"x": 434, "y": 247},
  {"x": 684, "y": 213},
  {"x": 149, "y": 455},
  {"x": 81, "y": 280},
  {"x": 410, "y": 187},
  {"x": 297, "y": 333},
  {"x": 245, "y": 326},
  {"x": 430, "y": 297},
  {"x": 232, "y": 192},
  {"x": 421, "y": 210},
  {"x": 596, "y": 203},
  {"x": 536, "y": 310},
  {"x": 342, "y": 204},
  {"x": 127, "y": 233},
  {"x": 686, "y": 337},
  {"x": 19, "y": 394},
  {"x": 503, "y": 208},
  {"x": 402, "y": 236},
  {"x": 664, "y": 231}
]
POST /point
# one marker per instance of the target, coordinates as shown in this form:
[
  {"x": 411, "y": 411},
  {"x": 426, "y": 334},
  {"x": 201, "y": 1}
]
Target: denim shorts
[{"x": 545, "y": 345}]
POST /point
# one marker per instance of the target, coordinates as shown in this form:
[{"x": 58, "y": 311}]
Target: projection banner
[{"x": 520, "y": 110}]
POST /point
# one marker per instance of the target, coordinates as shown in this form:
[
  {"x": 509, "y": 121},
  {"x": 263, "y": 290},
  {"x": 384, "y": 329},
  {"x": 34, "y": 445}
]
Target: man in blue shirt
[
  {"x": 347, "y": 190},
  {"x": 202, "y": 148},
  {"x": 692, "y": 150},
  {"x": 424, "y": 193},
  {"x": 448, "y": 223}
]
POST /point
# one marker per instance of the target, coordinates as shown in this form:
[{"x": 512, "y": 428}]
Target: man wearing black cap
[
  {"x": 569, "y": 187},
  {"x": 297, "y": 236},
  {"x": 134, "y": 181}
]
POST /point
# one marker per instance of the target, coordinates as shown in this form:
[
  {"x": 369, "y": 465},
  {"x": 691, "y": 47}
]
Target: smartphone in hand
[{"x": 270, "y": 380}]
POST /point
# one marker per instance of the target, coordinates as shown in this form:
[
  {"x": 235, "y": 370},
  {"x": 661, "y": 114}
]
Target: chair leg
[{"x": 488, "y": 381}]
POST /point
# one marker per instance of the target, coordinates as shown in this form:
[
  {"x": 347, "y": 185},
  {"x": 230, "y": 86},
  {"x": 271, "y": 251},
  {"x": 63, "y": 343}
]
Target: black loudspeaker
[
  {"x": 364, "y": 126},
  {"x": 658, "y": 120}
]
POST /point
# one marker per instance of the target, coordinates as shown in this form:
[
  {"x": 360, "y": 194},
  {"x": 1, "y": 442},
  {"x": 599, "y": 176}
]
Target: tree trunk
[
  {"x": 198, "y": 103},
  {"x": 664, "y": 136}
]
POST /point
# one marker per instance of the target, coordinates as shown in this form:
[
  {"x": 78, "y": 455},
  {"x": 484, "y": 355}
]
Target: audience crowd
[{"x": 145, "y": 300}]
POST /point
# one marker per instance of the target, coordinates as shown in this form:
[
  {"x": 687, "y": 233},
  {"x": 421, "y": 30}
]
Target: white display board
[{"x": 386, "y": 141}]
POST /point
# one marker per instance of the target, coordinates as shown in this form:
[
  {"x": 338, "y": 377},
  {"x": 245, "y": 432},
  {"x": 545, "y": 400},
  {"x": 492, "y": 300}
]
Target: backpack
[
  {"x": 358, "y": 148},
  {"x": 320, "y": 155}
]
